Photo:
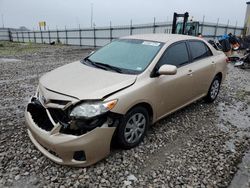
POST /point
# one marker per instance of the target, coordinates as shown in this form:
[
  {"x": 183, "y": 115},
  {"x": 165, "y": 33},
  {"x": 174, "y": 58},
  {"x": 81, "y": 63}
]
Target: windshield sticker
[
  {"x": 151, "y": 43},
  {"x": 138, "y": 68}
]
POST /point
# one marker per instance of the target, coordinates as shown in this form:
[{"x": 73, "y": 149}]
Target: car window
[
  {"x": 176, "y": 54},
  {"x": 199, "y": 50}
]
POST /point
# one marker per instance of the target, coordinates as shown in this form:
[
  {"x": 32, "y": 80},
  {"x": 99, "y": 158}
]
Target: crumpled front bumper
[{"x": 61, "y": 148}]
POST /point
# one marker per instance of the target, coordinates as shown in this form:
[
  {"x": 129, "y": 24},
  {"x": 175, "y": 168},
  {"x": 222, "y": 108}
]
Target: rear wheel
[
  {"x": 245, "y": 65},
  {"x": 133, "y": 128},
  {"x": 214, "y": 89}
]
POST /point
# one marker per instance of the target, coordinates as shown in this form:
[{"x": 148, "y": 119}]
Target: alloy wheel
[
  {"x": 135, "y": 127},
  {"x": 215, "y": 89}
]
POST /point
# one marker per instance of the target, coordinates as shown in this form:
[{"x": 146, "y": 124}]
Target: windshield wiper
[
  {"x": 104, "y": 66},
  {"x": 89, "y": 60},
  {"x": 110, "y": 67}
]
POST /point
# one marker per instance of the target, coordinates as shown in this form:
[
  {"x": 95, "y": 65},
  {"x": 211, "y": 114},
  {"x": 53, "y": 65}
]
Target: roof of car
[{"x": 161, "y": 37}]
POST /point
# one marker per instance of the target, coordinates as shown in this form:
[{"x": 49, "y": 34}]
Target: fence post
[
  {"x": 34, "y": 36},
  {"x": 17, "y": 36},
  {"x": 29, "y": 35},
  {"x": 203, "y": 21},
  {"x": 49, "y": 35},
  {"x": 227, "y": 27},
  {"x": 154, "y": 26},
  {"x": 216, "y": 27},
  {"x": 94, "y": 36},
  {"x": 41, "y": 36},
  {"x": 10, "y": 35},
  {"x": 166, "y": 30},
  {"x": 57, "y": 35},
  {"x": 110, "y": 32},
  {"x": 66, "y": 35},
  {"x": 235, "y": 27},
  {"x": 131, "y": 27},
  {"x": 22, "y": 36},
  {"x": 80, "y": 35}
]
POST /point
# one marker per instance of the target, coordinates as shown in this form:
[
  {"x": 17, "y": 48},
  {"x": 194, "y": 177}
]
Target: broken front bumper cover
[{"x": 67, "y": 149}]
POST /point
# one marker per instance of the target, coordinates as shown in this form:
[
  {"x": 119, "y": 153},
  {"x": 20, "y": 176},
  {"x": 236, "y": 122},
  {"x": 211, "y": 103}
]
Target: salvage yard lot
[{"x": 198, "y": 146}]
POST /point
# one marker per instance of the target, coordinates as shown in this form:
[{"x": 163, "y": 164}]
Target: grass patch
[
  {"x": 241, "y": 94},
  {"x": 13, "y": 48}
]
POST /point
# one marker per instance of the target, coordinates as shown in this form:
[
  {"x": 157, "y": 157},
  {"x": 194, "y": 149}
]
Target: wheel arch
[
  {"x": 148, "y": 107},
  {"x": 219, "y": 74}
]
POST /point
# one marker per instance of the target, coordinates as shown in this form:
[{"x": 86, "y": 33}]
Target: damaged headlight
[{"x": 92, "y": 109}]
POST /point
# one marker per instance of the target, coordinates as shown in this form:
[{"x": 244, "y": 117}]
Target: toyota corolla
[{"x": 117, "y": 92}]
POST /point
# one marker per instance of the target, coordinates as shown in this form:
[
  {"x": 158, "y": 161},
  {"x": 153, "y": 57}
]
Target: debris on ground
[{"x": 201, "y": 145}]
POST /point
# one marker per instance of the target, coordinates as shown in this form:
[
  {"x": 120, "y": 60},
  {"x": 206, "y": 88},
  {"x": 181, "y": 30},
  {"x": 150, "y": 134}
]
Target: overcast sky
[{"x": 71, "y": 13}]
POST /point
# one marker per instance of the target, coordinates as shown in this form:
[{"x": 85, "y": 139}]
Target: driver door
[{"x": 174, "y": 91}]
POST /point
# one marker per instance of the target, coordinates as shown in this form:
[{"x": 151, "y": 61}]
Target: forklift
[{"x": 184, "y": 27}]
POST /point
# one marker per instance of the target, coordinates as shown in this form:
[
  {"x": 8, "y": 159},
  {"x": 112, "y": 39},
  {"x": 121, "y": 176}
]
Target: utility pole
[
  {"x": 2, "y": 20},
  {"x": 91, "y": 16}
]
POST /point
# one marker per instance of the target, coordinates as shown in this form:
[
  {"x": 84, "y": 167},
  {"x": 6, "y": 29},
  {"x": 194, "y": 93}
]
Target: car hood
[{"x": 84, "y": 82}]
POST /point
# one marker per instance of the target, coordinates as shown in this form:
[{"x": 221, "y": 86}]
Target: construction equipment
[{"x": 184, "y": 27}]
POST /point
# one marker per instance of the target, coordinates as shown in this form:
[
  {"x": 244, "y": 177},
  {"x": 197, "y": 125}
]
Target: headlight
[{"x": 92, "y": 109}]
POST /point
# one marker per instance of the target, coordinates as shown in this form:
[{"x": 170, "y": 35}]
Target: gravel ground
[{"x": 201, "y": 145}]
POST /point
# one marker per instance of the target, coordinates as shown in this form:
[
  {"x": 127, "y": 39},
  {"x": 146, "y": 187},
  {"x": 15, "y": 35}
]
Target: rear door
[{"x": 202, "y": 66}]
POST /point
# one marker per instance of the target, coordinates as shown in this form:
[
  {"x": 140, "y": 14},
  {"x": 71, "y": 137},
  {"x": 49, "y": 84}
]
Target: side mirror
[{"x": 167, "y": 70}]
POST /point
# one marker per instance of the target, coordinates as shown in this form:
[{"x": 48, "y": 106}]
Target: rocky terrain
[{"x": 202, "y": 145}]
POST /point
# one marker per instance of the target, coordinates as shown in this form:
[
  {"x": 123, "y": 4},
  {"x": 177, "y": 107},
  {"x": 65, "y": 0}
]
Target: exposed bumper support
[{"x": 61, "y": 148}]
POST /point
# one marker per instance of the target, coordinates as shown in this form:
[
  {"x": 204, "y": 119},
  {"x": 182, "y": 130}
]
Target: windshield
[{"x": 131, "y": 56}]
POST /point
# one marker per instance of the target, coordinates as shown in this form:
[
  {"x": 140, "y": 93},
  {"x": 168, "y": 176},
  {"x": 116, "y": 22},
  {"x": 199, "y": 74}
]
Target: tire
[
  {"x": 133, "y": 128},
  {"x": 214, "y": 90},
  {"x": 244, "y": 65}
]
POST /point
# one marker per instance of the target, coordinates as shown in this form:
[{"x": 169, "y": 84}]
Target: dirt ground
[{"x": 202, "y": 145}]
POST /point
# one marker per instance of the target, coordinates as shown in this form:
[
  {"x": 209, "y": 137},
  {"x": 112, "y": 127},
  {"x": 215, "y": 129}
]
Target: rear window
[{"x": 199, "y": 50}]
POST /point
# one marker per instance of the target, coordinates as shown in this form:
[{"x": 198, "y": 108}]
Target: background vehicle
[{"x": 184, "y": 27}]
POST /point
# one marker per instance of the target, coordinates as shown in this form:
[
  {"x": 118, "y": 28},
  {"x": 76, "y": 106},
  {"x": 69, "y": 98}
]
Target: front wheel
[
  {"x": 133, "y": 128},
  {"x": 213, "y": 90}
]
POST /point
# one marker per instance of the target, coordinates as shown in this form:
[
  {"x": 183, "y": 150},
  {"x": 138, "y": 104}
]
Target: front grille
[
  {"x": 75, "y": 127},
  {"x": 39, "y": 115},
  {"x": 60, "y": 102}
]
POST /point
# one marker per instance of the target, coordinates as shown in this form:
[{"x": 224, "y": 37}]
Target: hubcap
[
  {"x": 135, "y": 128},
  {"x": 214, "y": 89}
]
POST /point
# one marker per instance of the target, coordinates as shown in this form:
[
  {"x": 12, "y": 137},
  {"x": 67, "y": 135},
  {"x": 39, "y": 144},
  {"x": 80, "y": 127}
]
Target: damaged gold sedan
[{"x": 115, "y": 93}]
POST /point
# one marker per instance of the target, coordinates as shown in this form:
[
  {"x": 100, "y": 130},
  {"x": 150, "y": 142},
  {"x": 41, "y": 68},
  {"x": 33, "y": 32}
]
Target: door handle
[{"x": 190, "y": 72}]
